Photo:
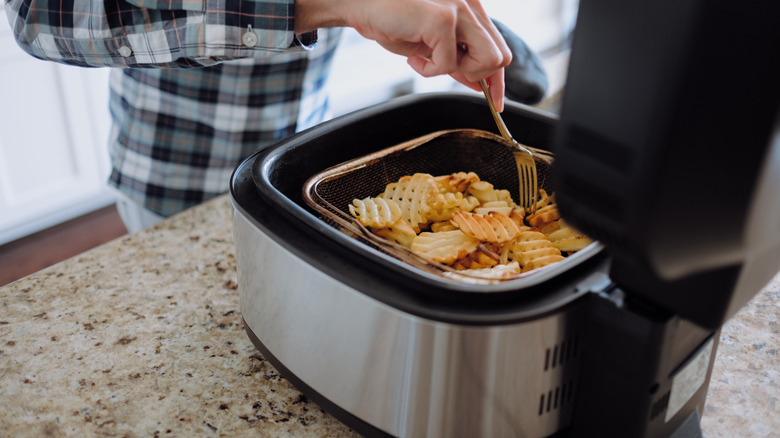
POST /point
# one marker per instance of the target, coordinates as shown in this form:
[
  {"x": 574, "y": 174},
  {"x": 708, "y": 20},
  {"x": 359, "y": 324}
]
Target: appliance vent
[
  {"x": 659, "y": 406},
  {"x": 561, "y": 353},
  {"x": 557, "y": 398}
]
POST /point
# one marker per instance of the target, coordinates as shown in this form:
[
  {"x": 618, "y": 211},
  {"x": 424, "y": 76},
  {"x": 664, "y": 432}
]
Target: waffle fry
[
  {"x": 544, "y": 216},
  {"x": 455, "y": 182},
  {"x": 442, "y": 226},
  {"x": 479, "y": 259},
  {"x": 466, "y": 223},
  {"x": 412, "y": 193},
  {"x": 487, "y": 275},
  {"x": 526, "y": 257},
  {"x": 444, "y": 247},
  {"x": 568, "y": 239},
  {"x": 400, "y": 232},
  {"x": 542, "y": 261},
  {"x": 544, "y": 199},
  {"x": 552, "y": 227},
  {"x": 443, "y": 205},
  {"x": 485, "y": 192},
  {"x": 502, "y": 207},
  {"x": 499, "y": 271},
  {"x": 375, "y": 212},
  {"x": 494, "y": 228},
  {"x": 469, "y": 203},
  {"x": 531, "y": 245}
]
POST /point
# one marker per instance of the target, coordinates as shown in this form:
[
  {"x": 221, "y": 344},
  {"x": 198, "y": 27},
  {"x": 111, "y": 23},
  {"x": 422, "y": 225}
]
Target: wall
[{"x": 53, "y": 129}]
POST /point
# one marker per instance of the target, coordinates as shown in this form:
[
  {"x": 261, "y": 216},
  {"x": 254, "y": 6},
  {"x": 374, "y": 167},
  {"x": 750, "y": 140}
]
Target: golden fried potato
[
  {"x": 542, "y": 261},
  {"x": 544, "y": 216},
  {"x": 573, "y": 243},
  {"x": 483, "y": 257},
  {"x": 483, "y": 191},
  {"x": 375, "y": 212},
  {"x": 412, "y": 193},
  {"x": 502, "y": 207},
  {"x": 526, "y": 257},
  {"x": 442, "y": 226},
  {"x": 531, "y": 245},
  {"x": 563, "y": 233},
  {"x": 480, "y": 276},
  {"x": 474, "y": 227},
  {"x": 544, "y": 199},
  {"x": 469, "y": 203},
  {"x": 444, "y": 247},
  {"x": 455, "y": 182},
  {"x": 443, "y": 205},
  {"x": 552, "y": 227},
  {"x": 400, "y": 232},
  {"x": 499, "y": 271},
  {"x": 494, "y": 228},
  {"x": 568, "y": 239}
]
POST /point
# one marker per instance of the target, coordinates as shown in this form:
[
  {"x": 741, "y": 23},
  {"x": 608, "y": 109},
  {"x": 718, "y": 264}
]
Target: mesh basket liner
[{"x": 441, "y": 153}]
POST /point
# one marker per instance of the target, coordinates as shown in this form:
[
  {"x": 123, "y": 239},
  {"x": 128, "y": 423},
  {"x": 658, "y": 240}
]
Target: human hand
[{"x": 454, "y": 37}]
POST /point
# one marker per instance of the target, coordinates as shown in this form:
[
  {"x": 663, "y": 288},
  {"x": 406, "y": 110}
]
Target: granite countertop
[{"x": 143, "y": 337}]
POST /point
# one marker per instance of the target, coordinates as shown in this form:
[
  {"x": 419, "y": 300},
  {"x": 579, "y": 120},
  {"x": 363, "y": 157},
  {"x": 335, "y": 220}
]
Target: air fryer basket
[{"x": 331, "y": 191}]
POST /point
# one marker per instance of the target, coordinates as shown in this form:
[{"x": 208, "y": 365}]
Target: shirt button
[
  {"x": 249, "y": 39},
  {"x": 125, "y": 51}
]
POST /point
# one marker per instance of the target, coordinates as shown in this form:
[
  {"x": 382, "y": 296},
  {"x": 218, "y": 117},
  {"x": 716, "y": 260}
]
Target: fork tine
[
  {"x": 534, "y": 190},
  {"x": 527, "y": 180},
  {"x": 529, "y": 191},
  {"x": 526, "y": 164}
]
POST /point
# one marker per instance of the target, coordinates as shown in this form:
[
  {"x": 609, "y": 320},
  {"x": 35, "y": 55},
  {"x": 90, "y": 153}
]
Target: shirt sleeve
[{"x": 154, "y": 33}]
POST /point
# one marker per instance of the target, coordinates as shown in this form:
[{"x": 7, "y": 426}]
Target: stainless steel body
[{"x": 403, "y": 374}]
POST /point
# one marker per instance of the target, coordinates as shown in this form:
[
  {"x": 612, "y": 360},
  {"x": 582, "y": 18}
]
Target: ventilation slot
[
  {"x": 557, "y": 398},
  {"x": 560, "y": 354},
  {"x": 659, "y": 406}
]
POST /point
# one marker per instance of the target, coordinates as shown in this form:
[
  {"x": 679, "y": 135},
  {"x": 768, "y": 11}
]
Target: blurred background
[{"x": 54, "y": 202}]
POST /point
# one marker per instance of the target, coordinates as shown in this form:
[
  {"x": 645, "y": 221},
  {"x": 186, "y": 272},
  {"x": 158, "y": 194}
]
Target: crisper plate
[{"x": 440, "y": 153}]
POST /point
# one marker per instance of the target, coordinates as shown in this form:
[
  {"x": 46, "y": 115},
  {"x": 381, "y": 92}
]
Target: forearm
[
  {"x": 121, "y": 34},
  {"x": 311, "y": 15}
]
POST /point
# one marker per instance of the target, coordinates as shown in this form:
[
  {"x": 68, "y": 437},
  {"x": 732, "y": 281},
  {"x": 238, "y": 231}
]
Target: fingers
[
  {"x": 495, "y": 85},
  {"x": 438, "y": 29},
  {"x": 454, "y": 37},
  {"x": 469, "y": 49},
  {"x": 462, "y": 23},
  {"x": 486, "y": 49},
  {"x": 496, "y": 81}
]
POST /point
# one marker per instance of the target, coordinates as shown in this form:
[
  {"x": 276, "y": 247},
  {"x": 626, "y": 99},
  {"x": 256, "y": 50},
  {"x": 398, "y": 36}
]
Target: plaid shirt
[{"x": 178, "y": 133}]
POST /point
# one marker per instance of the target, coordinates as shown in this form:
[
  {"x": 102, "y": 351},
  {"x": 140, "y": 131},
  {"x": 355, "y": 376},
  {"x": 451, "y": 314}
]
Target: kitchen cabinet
[{"x": 54, "y": 124}]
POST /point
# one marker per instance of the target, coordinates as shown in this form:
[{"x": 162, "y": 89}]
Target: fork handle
[{"x": 496, "y": 116}]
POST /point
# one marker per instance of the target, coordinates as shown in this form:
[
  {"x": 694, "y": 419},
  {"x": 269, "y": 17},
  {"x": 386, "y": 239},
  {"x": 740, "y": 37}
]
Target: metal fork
[{"x": 526, "y": 164}]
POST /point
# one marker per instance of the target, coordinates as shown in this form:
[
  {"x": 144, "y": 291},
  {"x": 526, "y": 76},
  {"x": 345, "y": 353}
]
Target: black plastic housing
[{"x": 667, "y": 148}]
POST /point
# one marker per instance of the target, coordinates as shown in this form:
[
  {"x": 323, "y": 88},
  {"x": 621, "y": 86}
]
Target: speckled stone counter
[{"x": 143, "y": 337}]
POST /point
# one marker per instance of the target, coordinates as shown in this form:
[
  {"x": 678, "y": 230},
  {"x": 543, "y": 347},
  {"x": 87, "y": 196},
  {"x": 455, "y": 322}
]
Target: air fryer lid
[{"x": 671, "y": 160}]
